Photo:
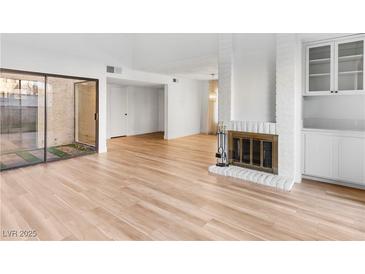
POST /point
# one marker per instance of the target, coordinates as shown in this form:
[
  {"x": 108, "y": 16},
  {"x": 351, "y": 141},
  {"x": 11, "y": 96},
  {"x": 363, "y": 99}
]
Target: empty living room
[{"x": 244, "y": 141}]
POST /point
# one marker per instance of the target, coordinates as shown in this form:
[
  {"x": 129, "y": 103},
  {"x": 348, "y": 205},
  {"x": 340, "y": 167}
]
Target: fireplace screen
[{"x": 253, "y": 150}]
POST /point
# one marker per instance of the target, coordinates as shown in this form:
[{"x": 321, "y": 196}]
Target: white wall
[
  {"x": 143, "y": 110},
  {"x": 184, "y": 107},
  {"x": 253, "y": 91},
  {"x": 204, "y": 125},
  {"x": 161, "y": 109}
]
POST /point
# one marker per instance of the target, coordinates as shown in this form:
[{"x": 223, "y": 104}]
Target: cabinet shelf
[
  {"x": 318, "y": 74},
  {"x": 350, "y": 57},
  {"x": 350, "y": 72},
  {"x": 319, "y": 61}
]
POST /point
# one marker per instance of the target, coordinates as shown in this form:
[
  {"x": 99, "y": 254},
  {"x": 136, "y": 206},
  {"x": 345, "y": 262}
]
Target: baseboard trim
[
  {"x": 333, "y": 182},
  {"x": 114, "y": 137},
  {"x": 146, "y": 133}
]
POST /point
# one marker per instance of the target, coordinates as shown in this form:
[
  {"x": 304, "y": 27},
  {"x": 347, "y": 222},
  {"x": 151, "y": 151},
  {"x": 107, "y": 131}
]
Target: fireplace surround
[
  {"x": 254, "y": 157},
  {"x": 287, "y": 123},
  {"x": 253, "y": 150}
]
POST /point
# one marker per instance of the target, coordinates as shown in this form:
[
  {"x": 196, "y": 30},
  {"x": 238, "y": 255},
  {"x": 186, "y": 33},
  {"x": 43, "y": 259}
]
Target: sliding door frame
[
  {"x": 96, "y": 114},
  {"x": 46, "y": 75}
]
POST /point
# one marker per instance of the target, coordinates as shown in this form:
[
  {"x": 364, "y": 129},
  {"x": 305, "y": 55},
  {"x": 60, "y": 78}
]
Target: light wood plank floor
[{"x": 146, "y": 188}]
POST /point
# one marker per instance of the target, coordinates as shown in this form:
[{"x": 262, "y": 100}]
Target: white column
[
  {"x": 225, "y": 77},
  {"x": 288, "y": 104}
]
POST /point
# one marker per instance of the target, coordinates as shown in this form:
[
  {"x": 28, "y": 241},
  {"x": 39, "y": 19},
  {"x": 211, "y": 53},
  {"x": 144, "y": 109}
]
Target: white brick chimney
[{"x": 288, "y": 100}]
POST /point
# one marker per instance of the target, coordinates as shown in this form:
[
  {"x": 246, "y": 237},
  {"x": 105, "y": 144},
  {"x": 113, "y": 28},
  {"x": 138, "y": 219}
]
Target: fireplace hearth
[{"x": 253, "y": 157}]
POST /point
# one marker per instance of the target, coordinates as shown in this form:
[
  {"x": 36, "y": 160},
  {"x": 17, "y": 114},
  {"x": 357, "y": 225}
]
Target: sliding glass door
[
  {"x": 71, "y": 124},
  {"x": 85, "y": 114},
  {"x": 45, "y": 118},
  {"x": 22, "y": 119}
]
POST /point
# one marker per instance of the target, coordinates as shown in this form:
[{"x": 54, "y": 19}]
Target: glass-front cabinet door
[
  {"x": 335, "y": 67},
  {"x": 349, "y": 66},
  {"x": 319, "y": 68}
]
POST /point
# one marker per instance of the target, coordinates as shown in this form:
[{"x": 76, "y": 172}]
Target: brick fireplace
[{"x": 283, "y": 134}]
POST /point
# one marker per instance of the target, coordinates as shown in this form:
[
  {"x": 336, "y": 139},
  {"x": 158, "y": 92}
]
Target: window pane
[
  {"x": 85, "y": 96},
  {"x": 22, "y": 119},
  {"x": 71, "y": 107}
]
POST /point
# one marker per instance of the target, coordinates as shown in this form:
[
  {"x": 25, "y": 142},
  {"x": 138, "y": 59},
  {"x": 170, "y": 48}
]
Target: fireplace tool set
[{"x": 221, "y": 155}]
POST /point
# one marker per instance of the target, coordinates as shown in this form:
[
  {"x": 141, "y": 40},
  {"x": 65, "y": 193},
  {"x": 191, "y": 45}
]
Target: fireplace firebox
[{"x": 253, "y": 150}]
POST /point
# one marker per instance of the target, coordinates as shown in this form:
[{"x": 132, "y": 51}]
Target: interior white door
[{"x": 118, "y": 111}]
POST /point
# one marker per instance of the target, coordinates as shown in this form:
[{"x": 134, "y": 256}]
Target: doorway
[
  {"x": 135, "y": 108},
  {"x": 85, "y": 110},
  {"x": 46, "y": 117}
]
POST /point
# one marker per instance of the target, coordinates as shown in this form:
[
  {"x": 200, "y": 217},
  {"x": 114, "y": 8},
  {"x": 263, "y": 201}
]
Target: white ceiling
[
  {"x": 194, "y": 68},
  {"x": 189, "y": 55},
  {"x": 185, "y": 55},
  {"x": 113, "y": 49}
]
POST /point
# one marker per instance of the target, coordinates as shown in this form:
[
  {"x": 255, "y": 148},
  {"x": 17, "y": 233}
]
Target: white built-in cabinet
[
  {"x": 334, "y": 155},
  {"x": 335, "y": 67}
]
